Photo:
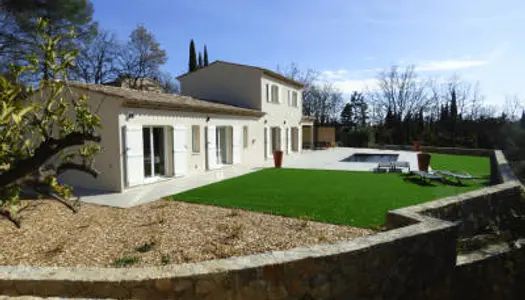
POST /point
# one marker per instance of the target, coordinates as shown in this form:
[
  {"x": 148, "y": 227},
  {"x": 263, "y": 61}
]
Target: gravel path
[{"x": 156, "y": 233}]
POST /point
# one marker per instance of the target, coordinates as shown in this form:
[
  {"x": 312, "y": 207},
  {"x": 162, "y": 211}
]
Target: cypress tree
[
  {"x": 193, "y": 57},
  {"x": 206, "y": 63},
  {"x": 200, "y": 61},
  {"x": 453, "y": 105}
]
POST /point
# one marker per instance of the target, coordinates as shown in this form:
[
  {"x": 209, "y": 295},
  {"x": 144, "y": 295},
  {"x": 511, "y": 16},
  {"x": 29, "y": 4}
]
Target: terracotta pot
[
  {"x": 416, "y": 146},
  {"x": 278, "y": 158},
  {"x": 423, "y": 161}
]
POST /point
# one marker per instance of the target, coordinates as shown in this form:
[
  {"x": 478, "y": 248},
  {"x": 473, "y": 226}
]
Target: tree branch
[
  {"x": 79, "y": 167},
  {"x": 49, "y": 148}
]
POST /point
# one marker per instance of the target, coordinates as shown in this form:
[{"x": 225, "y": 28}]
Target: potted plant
[
  {"x": 416, "y": 145},
  {"x": 277, "y": 158},
  {"x": 423, "y": 161}
]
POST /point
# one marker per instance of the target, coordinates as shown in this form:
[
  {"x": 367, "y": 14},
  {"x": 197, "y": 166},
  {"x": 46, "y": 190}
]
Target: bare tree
[
  {"x": 325, "y": 103},
  {"x": 400, "y": 91},
  {"x": 97, "y": 62},
  {"x": 513, "y": 107},
  {"x": 168, "y": 83},
  {"x": 307, "y": 78},
  {"x": 141, "y": 58}
]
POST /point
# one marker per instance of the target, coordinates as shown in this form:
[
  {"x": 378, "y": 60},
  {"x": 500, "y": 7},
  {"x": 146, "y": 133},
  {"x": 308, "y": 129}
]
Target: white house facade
[{"x": 228, "y": 115}]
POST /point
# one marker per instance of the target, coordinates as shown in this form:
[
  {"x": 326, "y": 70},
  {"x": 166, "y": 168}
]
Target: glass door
[{"x": 154, "y": 140}]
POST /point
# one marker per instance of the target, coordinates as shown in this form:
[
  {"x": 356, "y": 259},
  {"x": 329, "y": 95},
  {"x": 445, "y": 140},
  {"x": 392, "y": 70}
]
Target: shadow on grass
[{"x": 419, "y": 181}]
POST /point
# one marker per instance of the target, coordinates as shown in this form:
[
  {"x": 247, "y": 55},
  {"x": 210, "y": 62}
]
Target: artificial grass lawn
[{"x": 352, "y": 198}]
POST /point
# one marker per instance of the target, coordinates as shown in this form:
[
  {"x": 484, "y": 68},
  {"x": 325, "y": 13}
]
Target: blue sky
[{"x": 347, "y": 41}]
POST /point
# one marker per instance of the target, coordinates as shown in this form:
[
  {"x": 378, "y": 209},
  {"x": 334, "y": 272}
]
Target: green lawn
[{"x": 352, "y": 198}]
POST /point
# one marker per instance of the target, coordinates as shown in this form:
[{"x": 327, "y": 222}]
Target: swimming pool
[{"x": 371, "y": 158}]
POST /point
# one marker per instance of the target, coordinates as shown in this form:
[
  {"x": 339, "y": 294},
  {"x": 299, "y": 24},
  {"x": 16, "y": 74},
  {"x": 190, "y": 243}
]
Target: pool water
[{"x": 371, "y": 158}]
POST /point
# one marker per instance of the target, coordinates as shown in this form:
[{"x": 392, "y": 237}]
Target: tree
[
  {"x": 97, "y": 62},
  {"x": 20, "y": 18},
  {"x": 193, "y": 58},
  {"x": 201, "y": 63},
  {"x": 347, "y": 117},
  {"x": 307, "y": 78},
  {"x": 360, "y": 109},
  {"x": 43, "y": 131},
  {"x": 141, "y": 58},
  {"x": 326, "y": 102},
  {"x": 522, "y": 120},
  {"x": 168, "y": 83},
  {"x": 403, "y": 92},
  {"x": 206, "y": 62}
]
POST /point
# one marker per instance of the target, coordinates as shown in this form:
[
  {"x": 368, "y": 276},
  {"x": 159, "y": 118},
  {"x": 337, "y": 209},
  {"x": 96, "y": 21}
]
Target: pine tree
[
  {"x": 193, "y": 57},
  {"x": 347, "y": 115},
  {"x": 206, "y": 62},
  {"x": 19, "y": 18},
  {"x": 200, "y": 64}
]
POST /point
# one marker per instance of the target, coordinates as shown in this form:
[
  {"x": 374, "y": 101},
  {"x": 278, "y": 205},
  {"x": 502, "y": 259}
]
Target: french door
[{"x": 154, "y": 145}]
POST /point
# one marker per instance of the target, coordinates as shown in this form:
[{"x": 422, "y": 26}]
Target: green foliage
[
  {"x": 206, "y": 62},
  {"x": 193, "y": 57},
  {"x": 19, "y": 39},
  {"x": 125, "y": 261},
  {"x": 201, "y": 63},
  {"x": 165, "y": 259},
  {"x": 145, "y": 247},
  {"x": 42, "y": 122}
]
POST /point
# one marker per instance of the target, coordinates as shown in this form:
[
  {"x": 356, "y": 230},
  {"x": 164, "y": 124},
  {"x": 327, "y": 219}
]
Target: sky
[{"x": 347, "y": 41}]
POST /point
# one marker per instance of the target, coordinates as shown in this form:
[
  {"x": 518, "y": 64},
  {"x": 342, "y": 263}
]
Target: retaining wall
[{"x": 416, "y": 259}]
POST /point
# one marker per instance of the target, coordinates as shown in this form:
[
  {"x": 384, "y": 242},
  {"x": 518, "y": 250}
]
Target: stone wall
[{"x": 416, "y": 259}]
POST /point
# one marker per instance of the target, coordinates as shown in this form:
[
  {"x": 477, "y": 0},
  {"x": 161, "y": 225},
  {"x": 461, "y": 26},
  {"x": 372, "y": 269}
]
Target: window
[
  {"x": 294, "y": 99},
  {"x": 195, "y": 138},
  {"x": 268, "y": 93},
  {"x": 245, "y": 136},
  {"x": 289, "y": 97},
  {"x": 275, "y": 93}
]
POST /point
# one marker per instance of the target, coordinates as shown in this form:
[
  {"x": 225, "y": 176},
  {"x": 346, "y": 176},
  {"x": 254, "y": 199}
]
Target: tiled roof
[
  {"x": 265, "y": 71},
  {"x": 157, "y": 100}
]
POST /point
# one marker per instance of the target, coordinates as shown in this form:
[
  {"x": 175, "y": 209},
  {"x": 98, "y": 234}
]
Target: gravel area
[{"x": 157, "y": 233}]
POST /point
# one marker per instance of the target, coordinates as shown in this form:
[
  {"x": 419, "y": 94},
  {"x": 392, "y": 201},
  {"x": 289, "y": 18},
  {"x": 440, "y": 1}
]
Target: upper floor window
[
  {"x": 275, "y": 94},
  {"x": 268, "y": 99},
  {"x": 294, "y": 99}
]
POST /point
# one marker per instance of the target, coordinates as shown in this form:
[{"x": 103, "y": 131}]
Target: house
[{"x": 228, "y": 114}]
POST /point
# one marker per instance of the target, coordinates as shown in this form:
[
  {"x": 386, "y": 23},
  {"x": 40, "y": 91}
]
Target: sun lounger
[
  {"x": 399, "y": 165},
  {"x": 382, "y": 167},
  {"x": 427, "y": 176},
  {"x": 457, "y": 176}
]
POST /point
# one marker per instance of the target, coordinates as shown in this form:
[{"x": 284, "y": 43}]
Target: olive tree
[{"x": 44, "y": 131}]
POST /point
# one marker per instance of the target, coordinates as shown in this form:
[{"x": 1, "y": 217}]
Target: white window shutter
[
  {"x": 289, "y": 140},
  {"x": 211, "y": 145},
  {"x": 237, "y": 144},
  {"x": 268, "y": 142},
  {"x": 180, "y": 150},
  {"x": 299, "y": 138},
  {"x": 281, "y": 139},
  {"x": 134, "y": 155},
  {"x": 289, "y": 98}
]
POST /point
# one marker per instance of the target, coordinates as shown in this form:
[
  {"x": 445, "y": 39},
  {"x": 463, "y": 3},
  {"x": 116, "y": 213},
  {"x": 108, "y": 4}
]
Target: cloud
[
  {"x": 348, "y": 81},
  {"x": 360, "y": 85},
  {"x": 447, "y": 65}
]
